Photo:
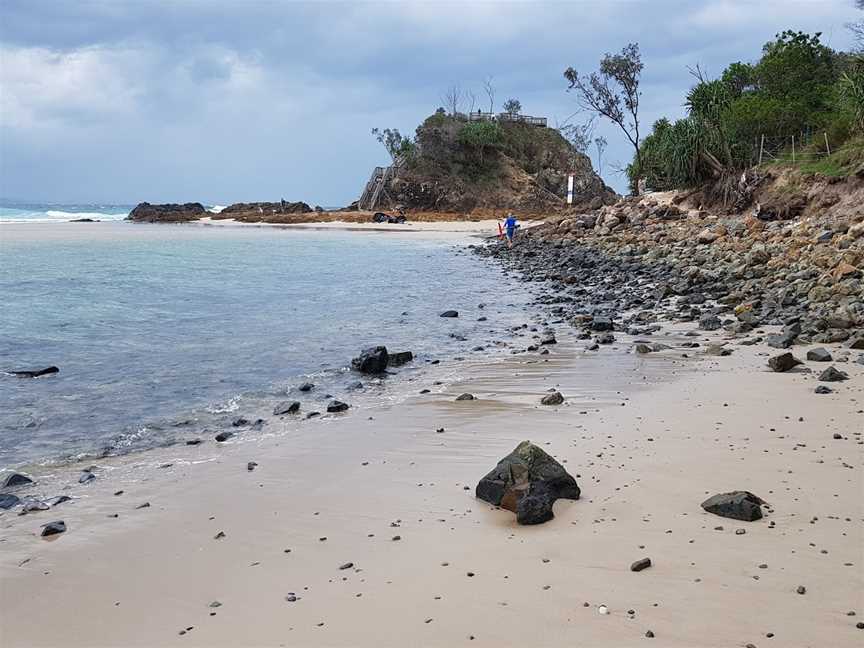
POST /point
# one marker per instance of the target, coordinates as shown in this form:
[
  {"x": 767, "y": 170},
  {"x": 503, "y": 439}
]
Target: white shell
[{"x": 603, "y": 609}]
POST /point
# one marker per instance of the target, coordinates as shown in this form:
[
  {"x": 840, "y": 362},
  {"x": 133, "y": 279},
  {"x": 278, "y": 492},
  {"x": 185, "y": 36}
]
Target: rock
[
  {"x": 528, "y": 482},
  {"x": 15, "y": 479},
  {"x": 86, "y": 476},
  {"x": 194, "y": 442},
  {"x": 371, "y": 361},
  {"x": 224, "y": 436},
  {"x": 59, "y": 499},
  {"x": 53, "y": 528},
  {"x": 305, "y": 387},
  {"x": 286, "y": 407},
  {"x": 167, "y": 213},
  {"x": 782, "y": 341},
  {"x": 251, "y": 465},
  {"x": 801, "y": 589},
  {"x": 465, "y": 397},
  {"x": 7, "y": 501},
  {"x": 548, "y": 338},
  {"x": 337, "y": 406},
  {"x": 856, "y": 342},
  {"x": 717, "y": 350},
  {"x": 819, "y": 355},
  {"x": 602, "y": 324},
  {"x": 737, "y": 505},
  {"x": 347, "y": 565},
  {"x": 639, "y": 565},
  {"x": 709, "y": 322},
  {"x": 35, "y": 373},
  {"x": 822, "y": 389},
  {"x": 554, "y": 398},
  {"x": 450, "y": 313},
  {"x": 400, "y": 358},
  {"x": 643, "y": 348},
  {"x": 832, "y": 374},
  {"x": 783, "y": 362},
  {"x": 32, "y": 504},
  {"x": 605, "y": 338},
  {"x": 240, "y": 421}
]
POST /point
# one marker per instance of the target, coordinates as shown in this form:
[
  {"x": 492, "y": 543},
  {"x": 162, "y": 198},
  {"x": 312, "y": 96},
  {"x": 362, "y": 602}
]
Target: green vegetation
[
  {"x": 799, "y": 87},
  {"x": 480, "y": 137}
]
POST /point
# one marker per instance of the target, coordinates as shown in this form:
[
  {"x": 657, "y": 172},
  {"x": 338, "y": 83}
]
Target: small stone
[
  {"x": 649, "y": 634},
  {"x": 53, "y": 528},
  {"x": 553, "y": 398},
  {"x": 801, "y": 589},
  {"x": 465, "y": 397},
  {"x": 224, "y": 436},
  {"x": 639, "y": 565},
  {"x": 832, "y": 374},
  {"x": 337, "y": 406},
  {"x": 347, "y": 565},
  {"x": 251, "y": 465}
]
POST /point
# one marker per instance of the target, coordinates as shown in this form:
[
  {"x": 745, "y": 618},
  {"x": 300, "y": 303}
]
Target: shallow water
[{"x": 160, "y": 331}]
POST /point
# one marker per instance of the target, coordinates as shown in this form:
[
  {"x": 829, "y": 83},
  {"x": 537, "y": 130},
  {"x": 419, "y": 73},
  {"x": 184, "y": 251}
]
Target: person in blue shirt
[{"x": 510, "y": 227}]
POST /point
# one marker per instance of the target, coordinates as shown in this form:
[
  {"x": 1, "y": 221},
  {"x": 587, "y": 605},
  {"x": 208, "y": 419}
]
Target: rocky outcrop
[
  {"x": 525, "y": 170},
  {"x": 167, "y": 213},
  {"x": 528, "y": 482},
  {"x": 269, "y": 212}
]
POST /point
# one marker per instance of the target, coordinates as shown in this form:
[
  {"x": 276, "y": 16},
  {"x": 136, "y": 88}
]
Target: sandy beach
[{"x": 224, "y": 555}]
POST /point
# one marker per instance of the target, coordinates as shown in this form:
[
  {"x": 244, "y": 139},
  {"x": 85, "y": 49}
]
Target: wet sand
[{"x": 647, "y": 438}]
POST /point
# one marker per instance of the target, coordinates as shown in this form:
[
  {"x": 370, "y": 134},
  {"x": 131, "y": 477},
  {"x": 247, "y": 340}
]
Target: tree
[
  {"x": 579, "y": 135},
  {"x": 613, "y": 92},
  {"x": 472, "y": 100},
  {"x": 600, "y": 142},
  {"x": 512, "y": 106},
  {"x": 452, "y": 98},
  {"x": 489, "y": 89},
  {"x": 479, "y": 137},
  {"x": 398, "y": 146}
]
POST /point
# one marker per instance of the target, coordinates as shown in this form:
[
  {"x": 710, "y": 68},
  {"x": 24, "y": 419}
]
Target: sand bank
[{"x": 648, "y": 438}]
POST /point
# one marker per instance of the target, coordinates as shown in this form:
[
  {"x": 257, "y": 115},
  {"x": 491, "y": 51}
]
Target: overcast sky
[{"x": 225, "y": 101}]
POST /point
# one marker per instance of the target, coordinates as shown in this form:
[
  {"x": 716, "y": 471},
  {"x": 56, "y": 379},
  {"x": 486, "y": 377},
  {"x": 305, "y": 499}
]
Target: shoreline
[{"x": 634, "y": 441}]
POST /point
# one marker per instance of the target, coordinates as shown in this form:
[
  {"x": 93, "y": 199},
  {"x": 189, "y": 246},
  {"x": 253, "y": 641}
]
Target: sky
[{"x": 221, "y": 101}]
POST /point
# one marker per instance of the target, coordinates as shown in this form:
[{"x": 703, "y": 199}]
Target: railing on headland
[{"x": 502, "y": 117}]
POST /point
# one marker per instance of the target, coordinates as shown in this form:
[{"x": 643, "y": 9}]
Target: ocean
[{"x": 163, "y": 333}]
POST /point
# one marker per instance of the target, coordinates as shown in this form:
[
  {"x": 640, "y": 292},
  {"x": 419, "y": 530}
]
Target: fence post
[
  {"x": 761, "y": 146},
  {"x": 793, "y": 149},
  {"x": 828, "y": 148}
]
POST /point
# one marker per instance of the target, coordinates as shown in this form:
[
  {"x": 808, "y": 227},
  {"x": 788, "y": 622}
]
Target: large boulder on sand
[
  {"x": 167, "y": 213},
  {"x": 738, "y": 505},
  {"x": 527, "y": 482},
  {"x": 371, "y": 361}
]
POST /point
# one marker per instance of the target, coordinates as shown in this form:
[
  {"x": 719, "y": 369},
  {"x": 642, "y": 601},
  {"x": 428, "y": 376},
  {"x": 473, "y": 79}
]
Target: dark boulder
[
  {"x": 306, "y": 387},
  {"x": 639, "y": 565},
  {"x": 832, "y": 374},
  {"x": 53, "y": 528},
  {"x": 709, "y": 322},
  {"x": 819, "y": 355},
  {"x": 450, "y": 313},
  {"x": 337, "y": 406},
  {"x": 286, "y": 407},
  {"x": 224, "y": 436},
  {"x": 822, "y": 389},
  {"x": 527, "y": 482},
  {"x": 400, "y": 358},
  {"x": 602, "y": 324},
  {"x": 35, "y": 373},
  {"x": 781, "y": 341},
  {"x": 371, "y": 361},
  {"x": 465, "y": 397},
  {"x": 737, "y": 505},
  {"x": 856, "y": 342},
  {"x": 7, "y": 501},
  {"x": 552, "y": 398},
  {"x": 783, "y": 362},
  {"x": 605, "y": 338},
  {"x": 167, "y": 213},
  {"x": 643, "y": 348},
  {"x": 15, "y": 479}
]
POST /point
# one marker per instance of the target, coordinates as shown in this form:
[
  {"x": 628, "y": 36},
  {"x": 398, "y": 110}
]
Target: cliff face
[{"x": 523, "y": 168}]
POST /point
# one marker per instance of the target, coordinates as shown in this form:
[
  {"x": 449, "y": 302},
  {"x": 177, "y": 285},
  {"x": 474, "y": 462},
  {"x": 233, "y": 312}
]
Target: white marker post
[{"x": 570, "y": 190}]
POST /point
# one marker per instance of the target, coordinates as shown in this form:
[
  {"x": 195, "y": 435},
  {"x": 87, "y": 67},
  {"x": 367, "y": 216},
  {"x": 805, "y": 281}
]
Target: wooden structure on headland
[
  {"x": 374, "y": 188},
  {"x": 514, "y": 118}
]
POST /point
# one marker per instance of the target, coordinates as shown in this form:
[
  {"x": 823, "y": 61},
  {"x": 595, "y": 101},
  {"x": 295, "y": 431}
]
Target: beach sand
[
  {"x": 487, "y": 227},
  {"x": 647, "y": 437}
]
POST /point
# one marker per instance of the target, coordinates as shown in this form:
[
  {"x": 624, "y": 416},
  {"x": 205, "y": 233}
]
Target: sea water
[{"x": 166, "y": 332}]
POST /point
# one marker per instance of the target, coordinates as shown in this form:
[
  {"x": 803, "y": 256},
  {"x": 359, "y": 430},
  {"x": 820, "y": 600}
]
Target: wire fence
[{"x": 806, "y": 146}]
